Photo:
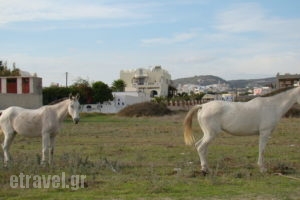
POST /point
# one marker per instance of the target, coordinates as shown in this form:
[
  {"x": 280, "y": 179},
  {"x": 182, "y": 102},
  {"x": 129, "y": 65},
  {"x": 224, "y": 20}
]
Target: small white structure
[
  {"x": 228, "y": 97},
  {"x": 23, "y": 91},
  {"x": 121, "y": 100},
  {"x": 222, "y": 97},
  {"x": 153, "y": 82}
]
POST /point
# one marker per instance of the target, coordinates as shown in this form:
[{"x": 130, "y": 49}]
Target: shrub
[{"x": 145, "y": 109}]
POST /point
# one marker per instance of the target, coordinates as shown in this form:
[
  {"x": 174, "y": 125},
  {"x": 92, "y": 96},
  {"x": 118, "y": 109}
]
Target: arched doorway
[{"x": 153, "y": 93}]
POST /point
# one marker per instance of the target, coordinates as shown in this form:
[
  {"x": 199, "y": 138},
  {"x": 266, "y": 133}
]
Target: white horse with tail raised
[
  {"x": 256, "y": 117},
  {"x": 43, "y": 122}
]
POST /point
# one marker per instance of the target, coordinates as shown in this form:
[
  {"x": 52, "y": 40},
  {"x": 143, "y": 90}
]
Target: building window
[
  {"x": 11, "y": 85},
  {"x": 153, "y": 93},
  {"x": 141, "y": 81},
  {"x": 25, "y": 85}
]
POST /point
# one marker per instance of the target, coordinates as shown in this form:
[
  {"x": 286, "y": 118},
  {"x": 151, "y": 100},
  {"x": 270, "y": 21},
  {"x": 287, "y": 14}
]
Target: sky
[{"x": 96, "y": 39}]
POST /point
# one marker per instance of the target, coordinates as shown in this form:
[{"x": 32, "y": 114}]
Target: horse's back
[
  {"x": 9, "y": 113},
  {"x": 232, "y": 117},
  {"x": 24, "y": 121}
]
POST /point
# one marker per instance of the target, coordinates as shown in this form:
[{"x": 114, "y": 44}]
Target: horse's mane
[
  {"x": 58, "y": 101},
  {"x": 278, "y": 91}
]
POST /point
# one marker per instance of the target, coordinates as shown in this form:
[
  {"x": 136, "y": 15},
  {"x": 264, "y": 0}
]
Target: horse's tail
[{"x": 188, "y": 135}]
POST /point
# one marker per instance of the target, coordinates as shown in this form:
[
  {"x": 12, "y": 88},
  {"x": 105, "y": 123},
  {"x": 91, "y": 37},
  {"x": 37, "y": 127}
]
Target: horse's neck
[
  {"x": 61, "y": 109},
  {"x": 286, "y": 100}
]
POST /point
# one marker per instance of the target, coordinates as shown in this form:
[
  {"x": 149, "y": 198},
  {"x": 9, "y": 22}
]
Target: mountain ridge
[{"x": 205, "y": 80}]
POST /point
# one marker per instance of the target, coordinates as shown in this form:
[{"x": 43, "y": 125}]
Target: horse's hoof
[
  {"x": 204, "y": 172},
  {"x": 44, "y": 164},
  {"x": 263, "y": 170}
]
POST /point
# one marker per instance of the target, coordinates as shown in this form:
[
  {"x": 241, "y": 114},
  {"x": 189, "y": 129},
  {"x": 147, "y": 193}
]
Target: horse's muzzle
[{"x": 76, "y": 120}]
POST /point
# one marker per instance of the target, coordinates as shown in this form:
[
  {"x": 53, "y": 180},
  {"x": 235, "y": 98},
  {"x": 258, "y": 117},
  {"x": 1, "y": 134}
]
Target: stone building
[
  {"x": 153, "y": 82},
  {"x": 287, "y": 80}
]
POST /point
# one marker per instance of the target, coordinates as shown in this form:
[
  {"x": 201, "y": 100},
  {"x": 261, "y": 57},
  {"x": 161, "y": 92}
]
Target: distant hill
[
  {"x": 210, "y": 79},
  {"x": 200, "y": 80},
  {"x": 252, "y": 82}
]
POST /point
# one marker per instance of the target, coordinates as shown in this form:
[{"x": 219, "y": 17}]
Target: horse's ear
[
  {"x": 70, "y": 96},
  {"x": 77, "y": 96}
]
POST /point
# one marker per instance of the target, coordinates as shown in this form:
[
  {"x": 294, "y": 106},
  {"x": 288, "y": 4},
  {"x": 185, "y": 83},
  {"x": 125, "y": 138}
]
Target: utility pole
[{"x": 67, "y": 79}]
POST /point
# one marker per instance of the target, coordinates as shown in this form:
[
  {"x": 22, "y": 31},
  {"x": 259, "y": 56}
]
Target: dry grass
[{"x": 145, "y": 158}]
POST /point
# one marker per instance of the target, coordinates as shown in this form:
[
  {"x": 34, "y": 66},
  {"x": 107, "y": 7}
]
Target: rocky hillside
[{"x": 210, "y": 79}]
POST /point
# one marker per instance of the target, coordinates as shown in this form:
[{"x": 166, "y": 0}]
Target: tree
[
  {"x": 54, "y": 93},
  {"x": 84, "y": 89},
  {"x": 5, "y": 71},
  {"x": 101, "y": 92},
  {"x": 118, "y": 86}
]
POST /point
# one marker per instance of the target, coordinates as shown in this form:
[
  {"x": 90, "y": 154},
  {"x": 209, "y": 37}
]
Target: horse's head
[{"x": 74, "y": 108}]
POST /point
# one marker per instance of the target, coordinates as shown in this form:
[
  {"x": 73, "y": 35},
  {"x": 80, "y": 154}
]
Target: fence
[{"x": 183, "y": 105}]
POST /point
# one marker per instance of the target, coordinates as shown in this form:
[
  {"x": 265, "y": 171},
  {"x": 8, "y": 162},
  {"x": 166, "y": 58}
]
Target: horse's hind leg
[
  {"x": 45, "y": 147},
  {"x": 8, "y": 138},
  {"x": 201, "y": 147}
]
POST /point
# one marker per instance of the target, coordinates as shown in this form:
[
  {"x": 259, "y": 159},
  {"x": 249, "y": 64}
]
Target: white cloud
[
  {"x": 250, "y": 41},
  {"x": 241, "y": 18},
  {"x": 176, "y": 38},
  {"x": 39, "y": 10},
  {"x": 251, "y": 17},
  {"x": 242, "y": 41}
]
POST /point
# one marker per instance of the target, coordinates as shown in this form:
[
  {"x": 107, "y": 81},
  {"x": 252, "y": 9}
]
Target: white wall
[
  {"x": 31, "y": 101},
  {"x": 121, "y": 100}
]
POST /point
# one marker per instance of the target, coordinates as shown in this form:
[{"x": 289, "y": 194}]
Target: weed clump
[
  {"x": 145, "y": 109},
  {"x": 283, "y": 168}
]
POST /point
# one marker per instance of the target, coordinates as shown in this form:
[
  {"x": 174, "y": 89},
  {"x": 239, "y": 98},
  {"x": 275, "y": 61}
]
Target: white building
[
  {"x": 120, "y": 101},
  {"x": 153, "y": 82}
]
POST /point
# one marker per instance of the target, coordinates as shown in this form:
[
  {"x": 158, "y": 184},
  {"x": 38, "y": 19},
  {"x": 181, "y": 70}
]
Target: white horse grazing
[
  {"x": 44, "y": 121},
  {"x": 256, "y": 117}
]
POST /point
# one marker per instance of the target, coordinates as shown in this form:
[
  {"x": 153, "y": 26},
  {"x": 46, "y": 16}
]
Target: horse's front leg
[
  {"x": 8, "y": 138},
  {"x": 45, "y": 147},
  {"x": 51, "y": 149},
  {"x": 263, "y": 139}
]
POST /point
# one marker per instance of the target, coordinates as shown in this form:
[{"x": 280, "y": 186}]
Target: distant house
[
  {"x": 209, "y": 97},
  {"x": 258, "y": 91},
  {"x": 287, "y": 80},
  {"x": 222, "y": 97},
  {"x": 153, "y": 82},
  {"x": 24, "y": 91}
]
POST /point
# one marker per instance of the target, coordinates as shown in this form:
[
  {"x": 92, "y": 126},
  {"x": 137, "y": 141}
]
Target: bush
[
  {"x": 145, "y": 109},
  {"x": 294, "y": 111}
]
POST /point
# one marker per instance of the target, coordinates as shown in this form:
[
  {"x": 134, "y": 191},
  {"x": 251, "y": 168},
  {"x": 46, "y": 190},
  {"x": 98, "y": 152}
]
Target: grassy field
[{"x": 145, "y": 158}]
